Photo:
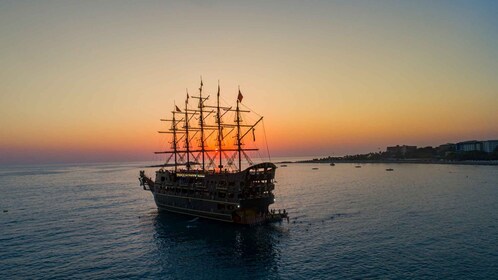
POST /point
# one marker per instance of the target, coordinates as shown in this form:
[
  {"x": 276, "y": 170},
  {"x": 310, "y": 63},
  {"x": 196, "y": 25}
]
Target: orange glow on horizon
[{"x": 76, "y": 86}]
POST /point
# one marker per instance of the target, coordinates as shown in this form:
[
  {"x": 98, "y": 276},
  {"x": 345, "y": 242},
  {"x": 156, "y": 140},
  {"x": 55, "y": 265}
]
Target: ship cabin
[{"x": 255, "y": 182}]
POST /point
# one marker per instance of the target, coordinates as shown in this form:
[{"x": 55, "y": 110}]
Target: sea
[{"x": 94, "y": 221}]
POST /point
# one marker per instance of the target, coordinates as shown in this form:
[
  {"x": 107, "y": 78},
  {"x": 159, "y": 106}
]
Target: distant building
[
  {"x": 469, "y": 146},
  {"x": 401, "y": 150},
  {"x": 446, "y": 149},
  {"x": 489, "y": 146}
]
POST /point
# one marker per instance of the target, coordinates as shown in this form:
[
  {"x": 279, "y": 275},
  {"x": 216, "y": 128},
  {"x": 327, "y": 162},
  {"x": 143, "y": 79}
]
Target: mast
[
  {"x": 201, "y": 119},
  {"x": 174, "y": 140},
  {"x": 218, "y": 117},
  {"x": 237, "y": 120},
  {"x": 186, "y": 135}
]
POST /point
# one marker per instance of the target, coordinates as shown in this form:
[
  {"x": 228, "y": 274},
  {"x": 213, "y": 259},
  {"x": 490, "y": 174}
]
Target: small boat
[
  {"x": 314, "y": 168},
  {"x": 389, "y": 169},
  {"x": 283, "y": 165},
  {"x": 332, "y": 164},
  {"x": 358, "y": 166}
]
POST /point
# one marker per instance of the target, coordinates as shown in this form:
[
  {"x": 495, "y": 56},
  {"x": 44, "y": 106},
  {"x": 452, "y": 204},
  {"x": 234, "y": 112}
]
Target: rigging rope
[
  {"x": 251, "y": 110},
  {"x": 266, "y": 141}
]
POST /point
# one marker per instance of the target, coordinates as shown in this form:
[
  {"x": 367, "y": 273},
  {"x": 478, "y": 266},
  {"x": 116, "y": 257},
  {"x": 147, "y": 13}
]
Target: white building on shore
[{"x": 488, "y": 146}]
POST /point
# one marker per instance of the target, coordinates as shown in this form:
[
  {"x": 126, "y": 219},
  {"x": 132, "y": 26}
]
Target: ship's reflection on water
[{"x": 216, "y": 249}]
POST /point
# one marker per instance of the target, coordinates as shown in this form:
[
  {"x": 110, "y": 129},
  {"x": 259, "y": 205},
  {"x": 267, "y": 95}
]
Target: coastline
[{"x": 403, "y": 161}]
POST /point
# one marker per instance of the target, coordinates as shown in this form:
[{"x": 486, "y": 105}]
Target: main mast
[
  {"x": 218, "y": 117},
  {"x": 201, "y": 119},
  {"x": 237, "y": 120}
]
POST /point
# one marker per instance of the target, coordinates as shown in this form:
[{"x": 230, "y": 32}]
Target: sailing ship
[{"x": 207, "y": 180}]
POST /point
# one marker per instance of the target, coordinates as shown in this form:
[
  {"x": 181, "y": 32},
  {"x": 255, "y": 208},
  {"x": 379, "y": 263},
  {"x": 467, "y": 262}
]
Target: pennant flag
[
  {"x": 239, "y": 98},
  {"x": 218, "y": 88},
  {"x": 178, "y": 109},
  {"x": 201, "y": 82},
  {"x": 187, "y": 95}
]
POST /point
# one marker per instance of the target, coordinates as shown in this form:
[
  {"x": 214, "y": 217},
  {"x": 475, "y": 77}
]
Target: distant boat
[
  {"x": 389, "y": 169},
  {"x": 358, "y": 166},
  {"x": 283, "y": 165},
  {"x": 332, "y": 164},
  {"x": 314, "y": 168}
]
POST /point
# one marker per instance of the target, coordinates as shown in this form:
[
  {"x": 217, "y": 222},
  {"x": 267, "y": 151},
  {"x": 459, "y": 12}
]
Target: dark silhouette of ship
[{"x": 194, "y": 185}]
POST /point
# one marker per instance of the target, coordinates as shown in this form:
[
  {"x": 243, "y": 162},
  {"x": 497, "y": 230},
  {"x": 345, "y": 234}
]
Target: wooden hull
[{"x": 215, "y": 210}]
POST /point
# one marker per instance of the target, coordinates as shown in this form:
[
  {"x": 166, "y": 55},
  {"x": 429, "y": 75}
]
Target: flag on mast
[
  {"x": 187, "y": 94},
  {"x": 218, "y": 88},
  {"x": 240, "y": 96},
  {"x": 178, "y": 109}
]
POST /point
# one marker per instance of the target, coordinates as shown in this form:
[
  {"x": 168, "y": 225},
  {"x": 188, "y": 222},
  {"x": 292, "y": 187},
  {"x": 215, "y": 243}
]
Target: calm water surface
[{"x": 93, "y": 221}]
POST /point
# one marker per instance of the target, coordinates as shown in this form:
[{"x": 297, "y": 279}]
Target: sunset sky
[{"x": 84, "y": 81}]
